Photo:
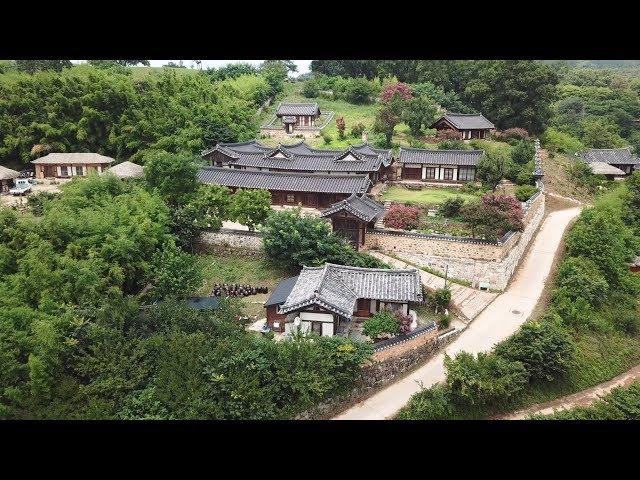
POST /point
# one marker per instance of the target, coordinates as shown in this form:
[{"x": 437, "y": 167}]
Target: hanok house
[
  {"x": 295, "y": 115},
  {"x": 7, "y": 176},
  {"x": 325, "y": 299},
  {"x": 67, "y": 165},
  {"x": 315, "y": 191},
  {"x": 621, "y": 158},
  {"x": 299, "y": 157},
  {"x": 468, "y": 125},
  {"x": 450, "y": 166},
  {"x": 352, "y": 216},
  {"x": 127, "y": 170},
  {"x": 608, "y": 171}
]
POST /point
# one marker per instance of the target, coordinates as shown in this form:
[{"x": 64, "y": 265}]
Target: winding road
[{"x": 498, "y": 321}]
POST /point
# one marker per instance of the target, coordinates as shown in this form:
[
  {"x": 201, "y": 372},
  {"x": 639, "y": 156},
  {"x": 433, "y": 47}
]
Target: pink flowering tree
[
  {"x": 400, "y": 88},
  {"x": 402, "y": 216},
  {"x": 494, "y": 215}
]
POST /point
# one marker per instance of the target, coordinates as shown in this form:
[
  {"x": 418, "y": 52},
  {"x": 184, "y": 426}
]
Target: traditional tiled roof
[
  {"x": 362, "y": 207},
  {"x": 617, "y": 156},
  {"x": 7, "y": 173},
  {"x": 288, "y": 119},
  {"x": 127, "y": 170},
  {"x": 72, "y": 158},
  {"x": 338, "y": 287},
  {"x": 303, "y": 157},
  {"x": 203, "y": 303},
  {"x": 440, "y": 157},
  {"x": 297, "y": 109},
  {"x": 281, "y": 292},
  {"x": 466, "y": 121},
  {"x": 601, "y": 168},
  {"x": 284, "y": 181}
]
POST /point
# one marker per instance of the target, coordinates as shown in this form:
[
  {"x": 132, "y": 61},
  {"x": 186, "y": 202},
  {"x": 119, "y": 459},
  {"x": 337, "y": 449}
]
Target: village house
[
  {"x": 620, "y": 158},
  {"x": 468, "y": 125},
  {"x": 294, "y": 115},
  {"x": 325, "y": 299},
  {"x": 297, "y": 174},
  {"x": 314, "y": 191},
  {"x": 7, "y": 176},
  {"x": 300, "y": 157},
  {"x": 351, "y": 217},
  {"x": 67, "y": 165},
  {"x": 448, "y": 166}
]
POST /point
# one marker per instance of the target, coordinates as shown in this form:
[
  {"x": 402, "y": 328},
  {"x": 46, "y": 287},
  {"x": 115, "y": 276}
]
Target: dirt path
[
  {"x": 498, "y": 321},
  {"x": 580, "y": 399}
]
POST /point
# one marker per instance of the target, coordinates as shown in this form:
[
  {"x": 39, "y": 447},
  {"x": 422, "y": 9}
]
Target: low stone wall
[
  {"x": 496, "y": 272},
  {"x": 280, "y": 134},
  {"x": 233, "y": 238},
  {"x": 383, "y": 372}
]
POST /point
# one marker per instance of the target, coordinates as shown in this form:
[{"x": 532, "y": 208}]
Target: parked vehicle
[{"x": 22, "y": 186}]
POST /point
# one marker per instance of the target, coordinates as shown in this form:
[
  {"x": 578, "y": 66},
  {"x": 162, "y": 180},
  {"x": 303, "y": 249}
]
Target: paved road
[{"x": 497, "y": 322}]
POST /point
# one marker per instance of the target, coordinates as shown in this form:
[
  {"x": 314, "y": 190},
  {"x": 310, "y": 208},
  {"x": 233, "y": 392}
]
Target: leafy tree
[
  {"x": 173, "y": 176},
  {"x": 560, "y": 142},
  {"x": 293, "y": 241},
  {"x": 419, "y": 112},
  {"x": 392, "y": 90},
  {"x": 358, "y": 91},
  {"x": 494, "y": 215},
  {"x": 453, "y": 144},
  {"x": 486, "y": 380},
  {"x": 632, "y": 204},
  {"x": 600, "y": 133},
  {"x": 493, "y": 167},
  {"x": 381, "y": 323},
  {"x": 512, "y": 93},
  {"x": 545, "y": 348},
  {"x": 442, "y": 298},
  {"x": 250, "y": 207},
  {"x": 118, "y": 63},
  {"x": 174, "y": 273},
  {"x": 579, "y": 277},
  {"x": 525, "y": 192},
  {"x": 451, "y": 207},
  {"x": 341, "y": 127},
  {"x": 32, "y": 66}
]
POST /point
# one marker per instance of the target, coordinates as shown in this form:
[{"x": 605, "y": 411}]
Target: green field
[
  {"x": 353, "y": 114},
  {"x": 237, "y": 267},
  {"x": 426, "y": 196}
]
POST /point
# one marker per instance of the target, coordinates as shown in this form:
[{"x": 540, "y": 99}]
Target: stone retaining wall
[
  {"x": 233, "y": 238},
  {"x": 382, "y": 373},
  {"x": 496, "y": 272}
]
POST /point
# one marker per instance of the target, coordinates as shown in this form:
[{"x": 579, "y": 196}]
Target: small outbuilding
[
  {"x": 351, "y": 217},
  {"x": 295, "y": 115},
  {"x": 127, "y": 170},
  {"x": 609, "y": 171},
  {"x": 620, "y": 158},
  {"x": 7, "y": 176}
]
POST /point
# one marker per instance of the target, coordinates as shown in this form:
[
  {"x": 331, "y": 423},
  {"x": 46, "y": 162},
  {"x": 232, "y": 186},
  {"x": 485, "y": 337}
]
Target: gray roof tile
[
  {"x": 297, "y": 109},
  {"x": 72, "y": 158},
  {"x": 337, "y": 287},
  {"x": 281, "y": 292},
  {"x": 284, "y": 181},
  {"x": 618, "y": 156},
  {"x": 467, "y": 121},
  {"x": 361, "y": 206},
  {"x": 440, "y": 157}
]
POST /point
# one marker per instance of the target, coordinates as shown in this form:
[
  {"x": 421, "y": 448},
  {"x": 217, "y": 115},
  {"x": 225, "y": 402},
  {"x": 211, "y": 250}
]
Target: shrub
[
  {"x": 326, "y": 137},
  {"x": 557, "y": 141},
  {"x": 402, "y": 216},
  {"x": 514, "y": 135},
  {"x": 379, "y": 140},
  {"x": 494, "y": 215},
  {"x": 429, "y": 404},
  {"x": 524, "y": 175},
  {"x": 383, "y": 322},
  {"x": 451, "y": 207},
  {"x": 579, "y": 277},
  {"x": 454, "y": 144},
  {"x": 441, "y": 298},
  {"x": 488, "y": 379},
  {"x": 545, "y": 348},
  {"x": 310, "y": 88},
  {"x": 523, "y": 152},
  {"x": 525, "y": 192},
  {"x": 357, "y": 130},
  {"x": 37, "y": 202},
  {"x": 445, "y": 321},
  {"x": 354, "y": 90}
]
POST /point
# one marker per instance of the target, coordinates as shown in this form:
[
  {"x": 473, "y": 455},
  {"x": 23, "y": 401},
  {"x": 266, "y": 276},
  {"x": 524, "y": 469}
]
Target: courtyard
[{"x": 423, "y": 196}]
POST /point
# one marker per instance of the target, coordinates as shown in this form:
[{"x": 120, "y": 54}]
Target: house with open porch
[
  {"x": 7, "y": 177},
  {"x": 620, "y": 158},
  {"x": 467, "y": 125},
  {"x": 326, "y": 299},
  {"x": 442, "y": 166},
  {"x": 68, "y": 165}
]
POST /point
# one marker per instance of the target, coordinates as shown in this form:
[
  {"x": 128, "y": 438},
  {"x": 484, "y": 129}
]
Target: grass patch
[
  {"x": 241, "y": 267},
  {"x": 426, "y": 196}
]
